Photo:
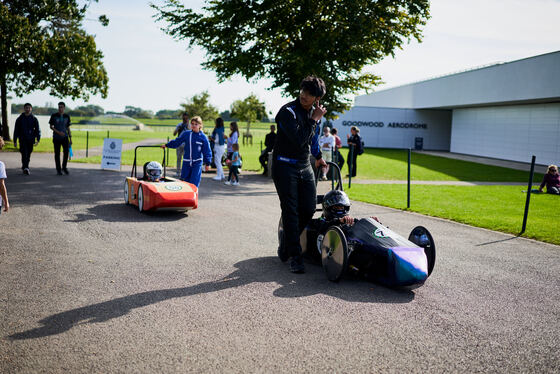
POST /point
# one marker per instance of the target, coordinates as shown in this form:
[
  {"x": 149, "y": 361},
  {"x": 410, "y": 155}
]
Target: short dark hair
[
  {"x": 314, "y": 85},
  {"x": 62, "y": 103},
  {"x": 185, "y": 114},
  {"x": 26, "y": 104},
  {"x": 219, "y": 122},
  {"x": 334, "y": 131}
]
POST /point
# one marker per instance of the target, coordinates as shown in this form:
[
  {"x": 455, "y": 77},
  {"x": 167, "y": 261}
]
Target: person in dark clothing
[
  {"x": 269, "y": 141},
  {"x": 354, "y": 149},
  {"x": 552, "y": 181},
  {"x": 28, "y": 134},
  {"x": 60, "y": 125},
  {"x": 298, "y": 134}
]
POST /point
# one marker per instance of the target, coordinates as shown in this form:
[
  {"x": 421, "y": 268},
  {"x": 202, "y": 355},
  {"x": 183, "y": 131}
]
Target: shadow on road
[
  {"x": 119, "y": 212},
  {"x": 255, "y": 270}
]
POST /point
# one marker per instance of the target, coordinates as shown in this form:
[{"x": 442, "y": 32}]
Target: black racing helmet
[{"x": 336, "y": 204}]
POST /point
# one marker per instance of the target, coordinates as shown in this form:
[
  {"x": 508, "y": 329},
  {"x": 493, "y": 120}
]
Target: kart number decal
[
  {"x": 174, "y": 187},
  {"x": 379, "y": 233}
]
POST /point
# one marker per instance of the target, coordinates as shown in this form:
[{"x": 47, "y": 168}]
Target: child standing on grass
[
  {"x": 4, "y": 204},
  {"x": 233, "y": 177}
]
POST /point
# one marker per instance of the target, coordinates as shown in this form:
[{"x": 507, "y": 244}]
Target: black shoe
[
  {"x": 296, "y": 265},
  {"x": 282, "y": 255},
  {"x": 58, "y": 172},
  {"x": 26, "y": 171},
  {"x": 65, "y": 171}
]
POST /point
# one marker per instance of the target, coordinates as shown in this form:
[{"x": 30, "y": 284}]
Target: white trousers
[{"x": 218, "y": 153}]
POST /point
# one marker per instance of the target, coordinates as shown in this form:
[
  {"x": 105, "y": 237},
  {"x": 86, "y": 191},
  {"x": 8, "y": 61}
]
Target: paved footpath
[{"x": 91, "y": 285}]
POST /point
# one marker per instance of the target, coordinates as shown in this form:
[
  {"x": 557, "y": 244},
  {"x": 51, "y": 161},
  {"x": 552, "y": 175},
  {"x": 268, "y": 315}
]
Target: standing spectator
[
  {"x": 197, "y": 149},
  {"x": 232, "y": 139},
  {"x": 551, "y": 180},
  {"x": 355, "y": 149},
  {"x": 219, "y": 148},
  {"x": 60, "y": 125},
  {"x": 269, "y": 141},
  {"x": 233, "y": 177},
  {"x": 28, "y": 133},
  {"x": 4, "y": 203},
  {"x": 182, "y": 126},
  {"x": 337, "y": 154},
  {"x": 327, "y": 143},
  {"x": 298, "y": 134}
]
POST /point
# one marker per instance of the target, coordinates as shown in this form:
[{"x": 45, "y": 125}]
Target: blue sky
[{"x": 148, "y": 69}]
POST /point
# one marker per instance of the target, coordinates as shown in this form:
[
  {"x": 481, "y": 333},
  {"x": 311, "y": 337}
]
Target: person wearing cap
[{"x": 297, "y": 138}]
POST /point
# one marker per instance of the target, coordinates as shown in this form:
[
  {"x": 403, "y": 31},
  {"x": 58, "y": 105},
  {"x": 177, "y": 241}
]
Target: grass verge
[{"x": 497, "y": 208}]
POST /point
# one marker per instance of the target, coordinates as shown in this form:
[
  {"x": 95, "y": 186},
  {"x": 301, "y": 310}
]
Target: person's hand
[
  {"x": 375, "y": 218},
  {"x": 320, "y": 163},
  {"x": 347, "y": 136},
  {"x": 347, "y": 220},
  {"x": 206, "y": 167},
  {"x": 36, "y": 143},
  {"x": 319, "y": 112},
  {"x": 6, "y": 206},
  {"x": 540, "y": 189},
  {"x": 163, "y": 146}
]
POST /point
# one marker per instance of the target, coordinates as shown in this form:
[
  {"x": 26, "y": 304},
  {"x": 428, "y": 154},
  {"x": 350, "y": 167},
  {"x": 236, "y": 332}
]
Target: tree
[
  {"x": 135, "y": 112},
  {"x": 286, "y": 40},
  {"x": 199, "y": 105},
  {"x": 43, "y": 46},
  {"x": 168, "y": 113},
  {"x": 249, "y": 110}
]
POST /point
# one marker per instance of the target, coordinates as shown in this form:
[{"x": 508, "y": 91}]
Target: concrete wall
[
  {"x": 534, "y": 79},
  {"x": 513, "y": 132},
  {"x": 397, "y": 128},
  {"x": 46, "y": 131}
]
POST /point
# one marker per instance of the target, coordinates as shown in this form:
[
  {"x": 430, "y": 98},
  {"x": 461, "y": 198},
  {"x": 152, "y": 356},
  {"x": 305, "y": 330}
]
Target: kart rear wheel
[
  {"x": 140, "y": 199},
  {"x": 126, "y": 191},
  {"x": 422, "y": 238},
  {"x": 334, "y": 253}
]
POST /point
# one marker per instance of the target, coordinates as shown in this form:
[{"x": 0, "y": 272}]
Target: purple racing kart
[{"x": 369, "y": 249}]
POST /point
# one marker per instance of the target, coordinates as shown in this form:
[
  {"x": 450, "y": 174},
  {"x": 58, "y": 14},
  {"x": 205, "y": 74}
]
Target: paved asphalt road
[{"x": 91, "y": 285}]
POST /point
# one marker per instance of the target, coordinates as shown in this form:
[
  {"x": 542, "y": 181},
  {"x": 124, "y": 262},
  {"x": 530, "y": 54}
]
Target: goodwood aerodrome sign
[{"x": 400, "y": 125}]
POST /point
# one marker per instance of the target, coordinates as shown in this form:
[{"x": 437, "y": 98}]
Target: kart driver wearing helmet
[
  {"x": 336, "y": 206},
  {"x": 153, "y": 171}
]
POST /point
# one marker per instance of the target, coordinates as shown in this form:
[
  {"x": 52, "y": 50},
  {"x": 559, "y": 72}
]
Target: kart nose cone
[{"x": 410, "y": 265}]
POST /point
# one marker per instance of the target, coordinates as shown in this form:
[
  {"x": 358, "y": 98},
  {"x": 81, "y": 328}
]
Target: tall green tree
[
  {"x": 43, "y": 46},
  {"x": 286, "y": 40},
  {"x": 199, "y": 105},
  {"x": 249, "y": 110}
]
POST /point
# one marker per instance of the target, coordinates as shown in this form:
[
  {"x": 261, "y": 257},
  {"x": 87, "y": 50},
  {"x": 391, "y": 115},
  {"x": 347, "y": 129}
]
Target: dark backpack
[{"x": 361, "y": 147}]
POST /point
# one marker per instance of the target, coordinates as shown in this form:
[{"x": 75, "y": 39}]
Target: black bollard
[
  {"x": 350, "y": 164},
  {"x": 529, "y": 187},
  {"x": 87, "y": 143},
  {"x": 408, "y": 182}
]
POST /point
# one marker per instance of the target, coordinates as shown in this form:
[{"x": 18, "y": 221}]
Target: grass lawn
[
  {"x": 473, "y": 205},
  {"x": 249, "y": 153},
  {"x": 391, "y": 164}
]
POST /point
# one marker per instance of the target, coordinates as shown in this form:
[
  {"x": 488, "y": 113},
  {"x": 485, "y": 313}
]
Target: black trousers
[
  {"x": 263, "y": 159},
  {"x": 339, "y": 159},
  {"x": 65, "y": 146},
  {"x": 295, "y": 185},
  {"x": 353, "y": 162},
  {"x": 25, "y": 148}
]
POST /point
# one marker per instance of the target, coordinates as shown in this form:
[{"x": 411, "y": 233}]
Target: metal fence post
[
  {"x": 350, "y": 164},
  {"x": 408, "y": 182},
  {"x": 167, "y": 150},
  {"x": 529, "y": 187},
  {"x": 87, "y": 143},
  {"x": 107, "y": 133}
]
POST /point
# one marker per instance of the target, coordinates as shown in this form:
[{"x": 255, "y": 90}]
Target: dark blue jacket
[
  {"x": 298, "y": 134},
  {"x": 27, "y": 129},
  {"x": 196, "y": 146}
]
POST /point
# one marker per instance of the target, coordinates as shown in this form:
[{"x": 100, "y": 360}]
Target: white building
[{"x": 508, "y": 111}]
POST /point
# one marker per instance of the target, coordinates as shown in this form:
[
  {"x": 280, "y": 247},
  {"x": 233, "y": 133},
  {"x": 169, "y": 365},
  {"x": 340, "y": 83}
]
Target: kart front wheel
[
  {"x": 422, "y": 238},
  {"x": 140, "y": 199},
  {"x": 126, "y": 191},
  {"x": 334, "y": 253}
]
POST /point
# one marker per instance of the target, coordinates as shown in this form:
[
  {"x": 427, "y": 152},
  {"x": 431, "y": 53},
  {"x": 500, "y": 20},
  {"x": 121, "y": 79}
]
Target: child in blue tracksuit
[{"x": 197, "y": 148}]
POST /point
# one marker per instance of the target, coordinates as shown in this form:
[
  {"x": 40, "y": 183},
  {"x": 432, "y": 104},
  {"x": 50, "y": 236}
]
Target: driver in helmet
[
  {"x": 336, "y": 206},
  {"x": 153, "y": 172}
]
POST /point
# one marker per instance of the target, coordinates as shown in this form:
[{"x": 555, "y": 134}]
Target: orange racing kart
[{"x": 166, "y": 193}]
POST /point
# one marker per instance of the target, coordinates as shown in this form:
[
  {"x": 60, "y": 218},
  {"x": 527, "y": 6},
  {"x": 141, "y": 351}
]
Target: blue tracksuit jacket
[{"x": 197, "y": 151}]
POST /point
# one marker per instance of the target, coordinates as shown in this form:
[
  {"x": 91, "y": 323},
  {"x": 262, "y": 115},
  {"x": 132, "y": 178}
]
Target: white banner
[{"x": 111, "y": 158}]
